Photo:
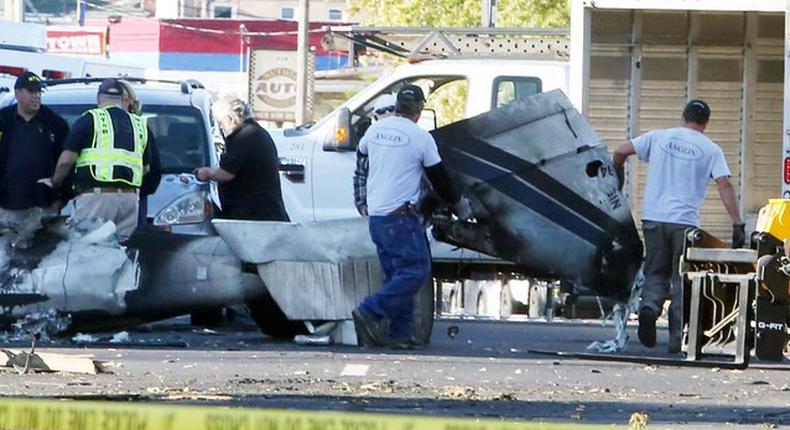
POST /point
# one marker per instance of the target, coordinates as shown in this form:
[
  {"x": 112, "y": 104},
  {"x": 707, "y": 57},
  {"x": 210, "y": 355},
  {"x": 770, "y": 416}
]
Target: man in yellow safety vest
[{"x": 109, "y": 150}]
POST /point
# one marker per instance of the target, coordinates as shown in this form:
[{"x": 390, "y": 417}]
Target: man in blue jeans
[{"x": 392, "y": 157}]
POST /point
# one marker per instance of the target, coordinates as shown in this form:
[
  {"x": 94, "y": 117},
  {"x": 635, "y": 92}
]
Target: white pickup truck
[{"x": 317, "y": 162}]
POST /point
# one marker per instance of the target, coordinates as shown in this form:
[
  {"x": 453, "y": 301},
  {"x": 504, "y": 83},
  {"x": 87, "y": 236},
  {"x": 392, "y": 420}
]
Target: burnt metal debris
[{"x": 545, "y": 195}]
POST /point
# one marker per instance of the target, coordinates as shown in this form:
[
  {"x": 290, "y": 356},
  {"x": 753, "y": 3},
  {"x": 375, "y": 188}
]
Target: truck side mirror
[
  {"x": 427, "y": 119},
  {"x": 339, "y": 138}
]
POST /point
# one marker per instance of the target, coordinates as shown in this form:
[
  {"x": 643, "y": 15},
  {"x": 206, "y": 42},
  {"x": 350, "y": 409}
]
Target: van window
[
  {"x": 179, "y": 132},
  {"x": 511, "y": 88}
]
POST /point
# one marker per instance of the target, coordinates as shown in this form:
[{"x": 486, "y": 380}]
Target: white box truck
[{"x": 635, "y": 63}]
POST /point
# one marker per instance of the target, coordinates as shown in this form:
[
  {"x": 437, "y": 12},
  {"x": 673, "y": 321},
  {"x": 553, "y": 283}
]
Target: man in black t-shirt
[
  {"x": 31, "y": 138},
  {"x": 247, "y": 176}
]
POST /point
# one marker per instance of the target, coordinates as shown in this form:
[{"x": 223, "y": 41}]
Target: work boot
[
  {"x": 647, "y": 327},
  {"x": 407, "y": 344},
  {"x": 366, "y": 329}
]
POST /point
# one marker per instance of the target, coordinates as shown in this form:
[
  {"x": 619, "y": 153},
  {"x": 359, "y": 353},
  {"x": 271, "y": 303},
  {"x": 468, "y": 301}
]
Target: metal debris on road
[
  {"x": 304, "y": 339},
  {"x": 121, "y": 337},
  {"x": 43, "y": 325},
  {"x": 53, "y": 362},
  {"x": 84, "y": 338}
]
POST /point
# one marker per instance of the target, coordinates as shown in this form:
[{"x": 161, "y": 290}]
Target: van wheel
[{"x": 271, "y": 320}]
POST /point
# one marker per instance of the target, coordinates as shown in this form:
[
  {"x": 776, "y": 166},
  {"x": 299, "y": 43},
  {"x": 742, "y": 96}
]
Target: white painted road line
[{"x": 355, "y": 370}]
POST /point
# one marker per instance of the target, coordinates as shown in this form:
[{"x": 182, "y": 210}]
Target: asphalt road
[{"x": 484, "y": 371}]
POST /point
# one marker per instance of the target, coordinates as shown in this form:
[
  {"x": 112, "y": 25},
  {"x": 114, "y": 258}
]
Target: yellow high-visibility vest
[{"x": 103, "y": 156}]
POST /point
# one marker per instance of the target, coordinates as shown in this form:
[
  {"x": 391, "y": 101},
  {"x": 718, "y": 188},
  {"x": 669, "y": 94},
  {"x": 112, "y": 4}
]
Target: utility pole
[
  {"x": 489, "y": 13},
  {"x": 82, "y": 10},
  {"x": 303, "y": 52}
]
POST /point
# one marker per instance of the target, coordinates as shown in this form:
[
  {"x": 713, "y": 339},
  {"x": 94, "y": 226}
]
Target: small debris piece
[
  {"x": 84, "y": 338},
  {"x": 121, "y": 337},
  {"x": 452, "y": 331},
  {"x": 639, "y": 420},
  {"x": 758, "y": 382},
  {"x": 505, "y": 397},
  {"x": 461, "y": 393}
]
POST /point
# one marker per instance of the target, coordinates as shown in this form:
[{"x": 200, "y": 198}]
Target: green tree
[{"x": 460, "y": 13}]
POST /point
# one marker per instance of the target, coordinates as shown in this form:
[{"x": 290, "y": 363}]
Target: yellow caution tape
[{"x": 30, "y": 414}]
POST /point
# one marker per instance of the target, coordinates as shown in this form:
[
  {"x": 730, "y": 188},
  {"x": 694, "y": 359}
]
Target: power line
[{"x": 240, "y": 33}]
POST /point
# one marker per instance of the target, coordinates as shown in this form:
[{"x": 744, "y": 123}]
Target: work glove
[
  {"x": 462, "y": 209},
  {"x": 738, "y": 235}
]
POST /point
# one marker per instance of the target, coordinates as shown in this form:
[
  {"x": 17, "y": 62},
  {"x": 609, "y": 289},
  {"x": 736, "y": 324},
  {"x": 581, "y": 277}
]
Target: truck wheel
[
  {"x": 423, "y": 313},
  {"x": 271, "y": 320}
]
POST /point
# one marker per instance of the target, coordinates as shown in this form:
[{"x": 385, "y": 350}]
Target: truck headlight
[{"x": 190, "y": 208}]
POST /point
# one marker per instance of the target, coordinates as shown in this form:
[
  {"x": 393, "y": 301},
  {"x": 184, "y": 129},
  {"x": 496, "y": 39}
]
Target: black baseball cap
[
  {"x": 111, "y": 87},
  {"x": 29, "y": 81},
  {"x": 410, "y": 98},
  {"x": 697, "y": 111}
]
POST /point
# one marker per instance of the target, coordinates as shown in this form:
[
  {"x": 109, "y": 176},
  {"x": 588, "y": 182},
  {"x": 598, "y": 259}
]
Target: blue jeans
[{"x": 406, "y": 265}]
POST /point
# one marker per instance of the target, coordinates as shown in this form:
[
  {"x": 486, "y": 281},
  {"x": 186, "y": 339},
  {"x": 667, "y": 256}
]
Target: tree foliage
[
  {"x": 460, "y": 13},
  {"x": 449, "y": 101}
]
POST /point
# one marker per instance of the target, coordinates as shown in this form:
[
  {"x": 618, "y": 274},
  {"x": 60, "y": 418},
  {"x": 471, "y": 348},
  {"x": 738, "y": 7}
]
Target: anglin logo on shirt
[
  {"x": 390, "y": 137},
  {"x": 682, "y": 149}
]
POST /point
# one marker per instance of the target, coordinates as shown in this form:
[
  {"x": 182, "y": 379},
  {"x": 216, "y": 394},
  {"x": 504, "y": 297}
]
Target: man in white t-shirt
[
  {"x": 681, "y": 162},
  {"x": 392, "y": 157}
]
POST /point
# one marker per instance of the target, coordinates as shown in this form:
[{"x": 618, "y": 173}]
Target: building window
[
  {"x": 223, "y": 10},
  {"x": 287, "y": 13},
  {"x": 335, "y": 15}
]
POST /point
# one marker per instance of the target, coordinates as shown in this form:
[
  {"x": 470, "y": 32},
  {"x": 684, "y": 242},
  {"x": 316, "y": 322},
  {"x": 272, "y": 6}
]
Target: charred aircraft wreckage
[{"x": 544, "y": 195}]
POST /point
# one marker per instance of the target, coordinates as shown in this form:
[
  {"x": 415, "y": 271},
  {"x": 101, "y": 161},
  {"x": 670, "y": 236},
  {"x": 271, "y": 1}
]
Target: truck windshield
[{"x": 179, "y": 132}]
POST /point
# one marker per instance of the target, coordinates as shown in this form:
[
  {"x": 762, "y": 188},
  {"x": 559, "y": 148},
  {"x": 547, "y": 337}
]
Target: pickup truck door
[
  {"x": 295, "y": 151},
  {"x": 333, "y": 171}
]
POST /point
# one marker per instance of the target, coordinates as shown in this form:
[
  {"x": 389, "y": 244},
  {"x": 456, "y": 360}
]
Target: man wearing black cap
[
  {"x": 391, "y": 159},
  {"x": 681, "y": 161},
  {"x": 109, "y": 150},
  {"x": 31, "y": 138}
]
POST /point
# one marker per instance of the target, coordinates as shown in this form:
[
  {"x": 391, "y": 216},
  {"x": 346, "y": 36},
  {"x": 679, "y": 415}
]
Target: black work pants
[{"x": 663, "y": 249}]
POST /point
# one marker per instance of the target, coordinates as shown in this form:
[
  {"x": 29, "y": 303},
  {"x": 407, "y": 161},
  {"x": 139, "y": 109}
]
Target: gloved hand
[
  {"x": 462, "y": 209},
  {"x": 738, "y": 235}
]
